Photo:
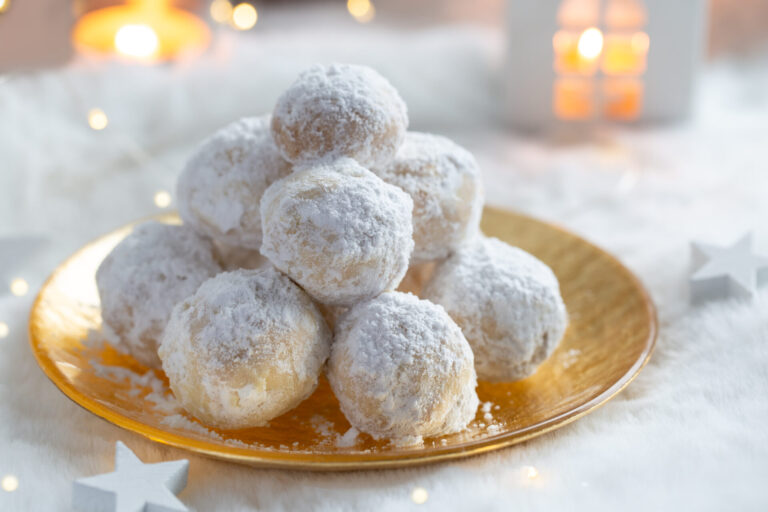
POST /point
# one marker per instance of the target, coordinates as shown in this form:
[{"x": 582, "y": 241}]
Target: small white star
[
  {"x": 722, "y": 272},
  {"x": 133, "y": 486}
]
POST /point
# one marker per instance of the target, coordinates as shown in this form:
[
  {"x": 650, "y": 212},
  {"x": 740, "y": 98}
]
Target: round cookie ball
[
  {"x": 444, "y": 182},
  {"x": 339, "y": 231},
  {"x": 221, "y": 185},
  {"x": 339, "y": 111},
  {"x": 506, "y": 302},
  {"x": 248, "y": 346},
  {"x": 402, "y": 369},
  {"x": 143, "y": 278}
]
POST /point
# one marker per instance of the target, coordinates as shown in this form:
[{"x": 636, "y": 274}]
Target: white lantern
[{"x": 587, "y": 61}]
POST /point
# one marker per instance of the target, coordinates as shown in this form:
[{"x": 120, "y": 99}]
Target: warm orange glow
[
  {"x": 569, "y": 58},
  {"x": 244, "y": 16},
  {"x": 362, "y": 10},
  {"x": 590, "y": 43},
  {"x": 622, "y": 98},
  {"x": 573, "y": 98},
  {"x": 625, "y": 54},
  {"x": 139, "y": 41},
  {"x": 4, "y": 4},
  {"x": 141, "y": 29}
]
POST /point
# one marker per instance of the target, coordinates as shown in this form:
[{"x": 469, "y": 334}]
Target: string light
[
  {"x": 138, "y": 41},
  {"x": 531, "y": 472},
  {"x": 221, "y": 11},
  {"x": 9, "y": 483},
  {"x": 244, "y": 16},
  {"x": 419, "y": 495},
  {"x": 19, "y": 287},
  {"x": 362, "y": 10},
  {"x": 4, "y": 330},
  {"x": 162, "y": 199},
  {"x": 4, "y": 4},
  {"x": 97, "y": 119}
]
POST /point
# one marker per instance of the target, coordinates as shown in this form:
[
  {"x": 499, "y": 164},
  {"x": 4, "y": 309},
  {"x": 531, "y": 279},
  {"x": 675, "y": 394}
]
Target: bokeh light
[
  {"x": 19, "y": 287},
  {"x": 362, "y": 10},
  {"x": 162, "y": 199},
  {"x": 419, "y": 495},
  {"x": 221, "y": 11},
  {"x": 9, "y": 483},
  {"x": 97, "y": 119},
  {"x": 244, "y": 16}
]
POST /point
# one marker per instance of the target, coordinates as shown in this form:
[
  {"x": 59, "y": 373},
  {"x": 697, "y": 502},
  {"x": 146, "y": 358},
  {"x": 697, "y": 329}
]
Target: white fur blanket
[{"x": 691, "y": 433}]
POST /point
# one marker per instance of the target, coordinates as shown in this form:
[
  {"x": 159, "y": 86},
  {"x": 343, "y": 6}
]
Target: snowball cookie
[
  {"x": 144, "y": 276},
  {"x": 221, "y": 185},
  {"x": 402, "y": 369},
  {"x": 336, "y": 111},
  {"x": 339, "y": 231},
  {"x": 507, "y": 303},
  {"x": 444, "y": 182},
  {"x": 248, "y": 346}
]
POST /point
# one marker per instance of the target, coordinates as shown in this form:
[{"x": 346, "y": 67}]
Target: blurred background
[{"x": 565, "y": 103}]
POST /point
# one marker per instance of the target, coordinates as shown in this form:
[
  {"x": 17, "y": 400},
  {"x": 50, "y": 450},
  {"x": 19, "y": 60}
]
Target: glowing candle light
[
  {"x": 419, "y": 495},
  {"x": 4, "y": 4},
  {"x": 138, "y": 41},
  {"x": 97, "y": 119},
  {"x": 244, "y": 16},
  {"x": 590, "y": 43},
  {"x": 142, "y": 30}
]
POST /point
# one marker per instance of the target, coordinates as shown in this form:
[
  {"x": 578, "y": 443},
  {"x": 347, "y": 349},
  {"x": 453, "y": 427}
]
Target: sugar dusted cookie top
[
  {"x": 221, "y": 185},
  {"x": 339, "y": 111},
  {"x": 339, "y": 231},
  {"x": 443, "y": 180},
  {"x": 246, "y": 347},
  {"x": 402, "y": 369},
  {"x": 506, "y": 302},
  {"x": 143, "y": 278}
]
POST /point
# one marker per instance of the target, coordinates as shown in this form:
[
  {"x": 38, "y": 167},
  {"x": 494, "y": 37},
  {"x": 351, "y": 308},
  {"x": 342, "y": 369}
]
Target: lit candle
[{"x": 143, "y": 30}]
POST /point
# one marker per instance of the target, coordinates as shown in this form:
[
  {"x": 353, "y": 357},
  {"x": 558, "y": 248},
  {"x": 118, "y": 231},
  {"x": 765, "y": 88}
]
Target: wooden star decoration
[
  {"x": 724, "y": 272},
  {"x": 133, "y": 486}
]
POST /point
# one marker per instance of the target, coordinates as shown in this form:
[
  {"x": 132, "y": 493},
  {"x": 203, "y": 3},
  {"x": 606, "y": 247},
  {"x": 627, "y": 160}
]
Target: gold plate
[{"x": 610, "y": 338}]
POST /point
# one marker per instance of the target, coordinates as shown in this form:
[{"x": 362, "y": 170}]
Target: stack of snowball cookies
[{"x": 311, "y": 217}]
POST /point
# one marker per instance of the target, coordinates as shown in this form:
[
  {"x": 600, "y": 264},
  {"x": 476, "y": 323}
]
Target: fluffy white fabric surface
[{"x": 689, "y": 434}]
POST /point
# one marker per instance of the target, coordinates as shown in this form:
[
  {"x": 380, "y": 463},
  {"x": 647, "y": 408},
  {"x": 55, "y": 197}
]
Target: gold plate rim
[{"x": 358, "y": 461}]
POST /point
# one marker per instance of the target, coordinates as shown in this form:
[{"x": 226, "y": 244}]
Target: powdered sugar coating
[
  {"x": 402, "y": 369},
  {"x": 221, "y": 185},
  {"x": 338, "y": 111},
  {"x": 444, "y": 182},
  {"x": 143, "y": 278},
  {"x": 232, "y": 257},
  {"x": 507, "y": 303},
  {"x": 339, "y": 231},
  {"x": 248, "y": 346}
]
